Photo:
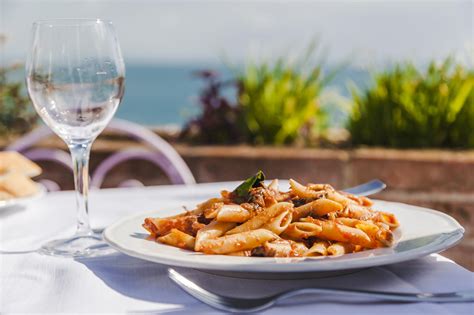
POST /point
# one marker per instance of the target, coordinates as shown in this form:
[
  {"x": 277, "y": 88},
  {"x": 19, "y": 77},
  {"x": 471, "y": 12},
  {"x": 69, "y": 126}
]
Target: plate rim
[{"x": 442, "y": 242}]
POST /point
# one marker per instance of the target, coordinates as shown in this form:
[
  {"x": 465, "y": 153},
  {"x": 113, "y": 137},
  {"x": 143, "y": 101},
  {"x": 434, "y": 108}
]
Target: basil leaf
[{"x": 242, "y": 191}]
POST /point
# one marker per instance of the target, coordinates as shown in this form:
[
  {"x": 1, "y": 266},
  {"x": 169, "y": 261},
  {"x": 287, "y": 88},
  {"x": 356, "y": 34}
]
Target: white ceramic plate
[
  {"x": 15, "y": 202},
  {"x": 422, "y": 231}
]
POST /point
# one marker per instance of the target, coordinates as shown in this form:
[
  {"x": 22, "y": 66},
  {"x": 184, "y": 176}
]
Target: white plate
[
  {"x": 422, "y": 231},
  {"x": 15, "y": 202}
]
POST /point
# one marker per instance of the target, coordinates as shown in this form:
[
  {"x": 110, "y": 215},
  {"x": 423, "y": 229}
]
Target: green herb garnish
[{"x": 243, "y": 190}]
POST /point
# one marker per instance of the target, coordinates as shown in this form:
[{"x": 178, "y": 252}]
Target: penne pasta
[
  {"x": 318, "y": 249},
  {"x": 211, "y": 231},
  {"x": 385, "y": 237},
  {"x": 379, "y": 235},
  {"x": 159, "y": 227},
  {"x": 300, "y": 231},
  {"x": 361, "y": 200},
  {"x": 274, "y": 185},
  {"x": 282, "y": 196},
  {"x": 259, "y": 220},
  {"x": 319, "y": 207},
  {"x": 284, "y": 248},
  {"x": 179, "y": 239},
  {"x": 279, "y": 223},
  {"x": 195, "y": 212},
  {"x": 237, "y": 242},
  {"x": 232, "y": 213},
  {"x": 244, "y": 253},
  {"x": 338, "y": 249},
  {"x": 209, "y": 203},
  {"x": 305, "y": 192},
  {"x": 339, "y": 198},
  {"x": 326, "y": 187},
  {"x": 359, "y": 212},
  {"x": 347, "y": 221},
  {"x": 212, "y": 211},
  {"x": 332, "y": 231},
  {"x": 262, "y": 218},
  {"x": 366, "y": 202},
  {"x": 277, "y": 248},
  {"x": 387, "y": 218}
]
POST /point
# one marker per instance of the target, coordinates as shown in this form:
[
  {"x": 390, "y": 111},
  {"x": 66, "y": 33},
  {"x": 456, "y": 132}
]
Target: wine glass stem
[{"x": 80, "y": 153}]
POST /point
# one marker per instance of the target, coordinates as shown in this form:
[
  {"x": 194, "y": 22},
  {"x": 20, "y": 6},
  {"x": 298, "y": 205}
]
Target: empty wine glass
[{"x": 75, "y": 77}]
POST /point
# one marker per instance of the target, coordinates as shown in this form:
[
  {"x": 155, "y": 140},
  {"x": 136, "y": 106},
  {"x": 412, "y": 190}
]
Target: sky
[{"x": 203, "y": 31}]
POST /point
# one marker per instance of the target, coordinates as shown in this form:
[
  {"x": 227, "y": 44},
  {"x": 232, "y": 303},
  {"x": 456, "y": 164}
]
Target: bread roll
[
  {"x": 18, "y": 185},
  {"x": 5, "y": 196},
  {"x": 12, "y": 161}
]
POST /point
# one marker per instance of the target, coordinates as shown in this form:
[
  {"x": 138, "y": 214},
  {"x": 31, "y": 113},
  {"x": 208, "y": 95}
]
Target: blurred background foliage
[
  {"x": 408, "y": 108},
  {"x": 220, "y": 118},
  {"x": 287, "y": 103},
  {"x": 17, "y": 115},
  {"x": 280, "y": 103},
  {"x": 276, "y": 103}
]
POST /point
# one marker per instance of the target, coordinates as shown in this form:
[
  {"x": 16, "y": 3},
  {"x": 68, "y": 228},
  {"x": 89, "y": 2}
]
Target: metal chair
[{"x": 163, "y": 155}]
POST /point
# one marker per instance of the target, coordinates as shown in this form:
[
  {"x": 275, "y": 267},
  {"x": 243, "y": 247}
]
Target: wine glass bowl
[{"x": 75, "y": 77}]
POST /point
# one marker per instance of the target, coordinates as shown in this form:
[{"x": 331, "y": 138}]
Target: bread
[
  {"x": 11, "y": 161},
  {"x": 5, "y": 196},
  {"x": 18, "y": 185}
]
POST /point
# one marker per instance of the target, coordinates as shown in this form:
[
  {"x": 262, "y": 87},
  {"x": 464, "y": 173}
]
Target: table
[{"x": 31, "y": 282}]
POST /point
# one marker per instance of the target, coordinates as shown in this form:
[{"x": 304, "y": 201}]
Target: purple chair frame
[{"x": 164, "y": 155}]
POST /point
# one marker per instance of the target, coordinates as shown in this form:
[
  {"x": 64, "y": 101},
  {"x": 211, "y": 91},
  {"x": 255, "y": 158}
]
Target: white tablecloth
[{"x": 116, "y": 283}]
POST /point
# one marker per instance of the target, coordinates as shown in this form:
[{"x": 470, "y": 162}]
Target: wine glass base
[{"x": 79, "y": 246}]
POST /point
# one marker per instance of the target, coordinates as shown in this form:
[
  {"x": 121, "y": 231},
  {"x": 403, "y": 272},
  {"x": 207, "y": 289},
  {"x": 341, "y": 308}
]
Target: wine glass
[{"x": 75, "y": 77}]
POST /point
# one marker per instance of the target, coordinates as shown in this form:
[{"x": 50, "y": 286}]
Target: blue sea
[
  {"x": 157, "y": 95},
  {"x": 168, "y": 94}
]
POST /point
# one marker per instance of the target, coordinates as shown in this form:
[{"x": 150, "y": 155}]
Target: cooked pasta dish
[{"x": 260, "y": 220}]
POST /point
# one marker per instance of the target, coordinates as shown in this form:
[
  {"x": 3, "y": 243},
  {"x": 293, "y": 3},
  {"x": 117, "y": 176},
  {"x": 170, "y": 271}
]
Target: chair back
[{"x": 162, "y": 154}]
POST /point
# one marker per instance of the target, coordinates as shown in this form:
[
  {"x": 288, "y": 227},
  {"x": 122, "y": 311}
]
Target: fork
[
  {"x": 366, "y": 189},
  {"x": 247, "y": 305}
]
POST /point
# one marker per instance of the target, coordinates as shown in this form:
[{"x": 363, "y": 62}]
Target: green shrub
[
  {"x": 407, "y": 108},
  {"x": 280, "y": 103},
  {"x": 275, "y": 104},
  {"x": 17, "y": 115}
]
